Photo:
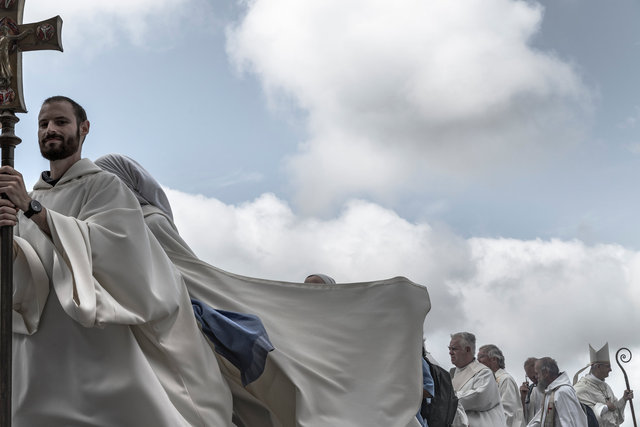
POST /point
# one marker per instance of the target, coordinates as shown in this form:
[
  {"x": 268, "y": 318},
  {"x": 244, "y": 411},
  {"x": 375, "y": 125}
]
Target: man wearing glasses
[{"x": 593, "y": 391}]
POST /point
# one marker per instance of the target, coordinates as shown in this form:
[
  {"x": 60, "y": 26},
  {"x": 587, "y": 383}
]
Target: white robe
[
  {"x": 595, "y": 393},
  {"x": 345, "y": 355},
  {"x": 510, "y": 396},
  {"x": 534, "y": 404},
  {"x": 568, "y": 412},
  {"x": 104, "y": 332},
  {"x": 479, "y": 396}
]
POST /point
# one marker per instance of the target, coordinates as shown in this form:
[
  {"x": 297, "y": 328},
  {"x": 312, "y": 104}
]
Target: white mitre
[{"x": 600, "y": 356}]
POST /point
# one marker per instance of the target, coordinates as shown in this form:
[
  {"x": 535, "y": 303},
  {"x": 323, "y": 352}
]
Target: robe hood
[
  {"x": 79, "y": 169},
  {"x": 563, "y": 379}
]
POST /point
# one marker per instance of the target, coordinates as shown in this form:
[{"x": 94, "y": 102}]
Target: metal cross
[{"x": 15, "y": 38}]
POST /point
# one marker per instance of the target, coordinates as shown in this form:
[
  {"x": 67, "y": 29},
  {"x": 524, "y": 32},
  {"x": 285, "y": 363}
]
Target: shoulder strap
[{"x": 550, "y": 410}]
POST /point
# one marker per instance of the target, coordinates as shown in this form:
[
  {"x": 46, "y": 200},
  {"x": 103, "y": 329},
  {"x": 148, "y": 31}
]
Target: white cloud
[
  {"x": 632, "y": 121},
  {"x": 405, "y": 91},
  {"x": 237, "y": 177},
  {"x": 91, "y": 26},
  {"x": 531, "y": 298}
]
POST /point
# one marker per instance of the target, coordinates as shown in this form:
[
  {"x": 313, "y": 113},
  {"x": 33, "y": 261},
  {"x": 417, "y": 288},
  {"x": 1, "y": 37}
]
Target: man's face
[
  {"x": 601, "y": 370},
  {"x": 485, "y": 360},
  {"x": 543, "y": 378},
  {"x": 58, "y": 131},
  {"x": 531, "y": 372},
  {"x": 460, "y": 356}
]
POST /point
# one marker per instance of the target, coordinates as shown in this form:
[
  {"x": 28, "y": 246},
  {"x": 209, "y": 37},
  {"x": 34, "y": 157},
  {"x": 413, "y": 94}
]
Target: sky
[{"x": 486, "y": 149}]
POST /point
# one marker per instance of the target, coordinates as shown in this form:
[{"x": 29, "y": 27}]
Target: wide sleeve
[
  {"x": 107, "y": 268},
  {"x": 31, "y": 288},
  {"x": 617, "y": 415},
  {"x": 510, "y": 396},
  {"x": 483, "y": 394},
  {"x": 461, "y": 419}
]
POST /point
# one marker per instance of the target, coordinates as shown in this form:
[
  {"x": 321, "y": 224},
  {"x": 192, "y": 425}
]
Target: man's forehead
[
  {"x": 455, "y": 342},
  {"x": 56, "y": 109}
]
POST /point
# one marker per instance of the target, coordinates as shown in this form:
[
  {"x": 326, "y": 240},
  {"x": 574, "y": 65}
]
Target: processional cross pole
[
  {"x": 624, "y": 355},
  {"x": 15, "y": 38}
]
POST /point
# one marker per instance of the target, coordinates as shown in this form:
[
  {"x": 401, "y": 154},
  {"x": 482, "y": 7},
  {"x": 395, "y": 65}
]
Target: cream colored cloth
[
  {"x": 596, "y": 393},
  {"x": 510, "y": 397},
  {"x": 535, "y": 402},
  {"x": 346, "y": 355},
  {"x": 104, "y": 330},
  {"x": 479, "y": 396}
]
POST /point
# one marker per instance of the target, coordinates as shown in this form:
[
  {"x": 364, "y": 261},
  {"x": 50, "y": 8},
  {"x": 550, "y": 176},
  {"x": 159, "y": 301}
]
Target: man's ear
[{"x": 84, "y": 128}]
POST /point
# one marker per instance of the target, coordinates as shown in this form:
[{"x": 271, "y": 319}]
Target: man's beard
[
  {"x": 68, "y": 147},
  {"x": 541, "y": 386}
]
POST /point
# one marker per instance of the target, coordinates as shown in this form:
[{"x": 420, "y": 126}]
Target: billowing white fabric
[
  {"x": 595, "y": 393},
  {"x": 479, "y": 396},
  {"x": 568, "y": 412},
  {"x": 510, "y": 396},
  {"x": 346, "y": 355},
  {"x": 104, "y": 330}
]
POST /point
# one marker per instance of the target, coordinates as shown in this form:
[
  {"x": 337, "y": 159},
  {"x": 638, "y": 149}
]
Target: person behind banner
[
  {"x": 593, "y": 391},
  {"x": 320, "y": 279},
  {"x": 104, "y": 332},
  {"x": 475, "y": 385},
  {"x": 561, "y": 406}
]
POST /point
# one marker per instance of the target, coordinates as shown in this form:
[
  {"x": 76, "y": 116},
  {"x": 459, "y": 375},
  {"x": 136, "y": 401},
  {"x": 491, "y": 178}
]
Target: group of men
[{"x": 488, "y": 396}]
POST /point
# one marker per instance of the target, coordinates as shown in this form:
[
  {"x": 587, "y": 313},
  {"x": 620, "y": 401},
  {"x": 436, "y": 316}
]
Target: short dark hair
[
  {"x": 78, "y": 111},
  {"x": 549, "y": 366},
  {"x": 494, "y": 352},
  {"x": 467, "y": 339},
  {"x": 530, "y": 362}
]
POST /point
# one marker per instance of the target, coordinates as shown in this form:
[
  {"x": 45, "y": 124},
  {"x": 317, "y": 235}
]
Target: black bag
[
  {"x": 442, "y": 409},
  {"x": 592, "y": 421}
]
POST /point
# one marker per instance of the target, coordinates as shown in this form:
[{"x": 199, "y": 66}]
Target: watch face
[{"x": 35, "y": 206}]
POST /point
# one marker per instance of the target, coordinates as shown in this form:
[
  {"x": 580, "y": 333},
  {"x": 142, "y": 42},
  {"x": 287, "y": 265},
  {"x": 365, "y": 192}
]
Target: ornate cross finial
[{"x": 15, "y": 38}]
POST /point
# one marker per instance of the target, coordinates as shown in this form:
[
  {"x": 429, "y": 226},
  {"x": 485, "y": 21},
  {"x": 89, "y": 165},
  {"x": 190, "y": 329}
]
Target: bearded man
[
  {"x": 560, "y": 407},
  {"x": 104, "y": 332}
]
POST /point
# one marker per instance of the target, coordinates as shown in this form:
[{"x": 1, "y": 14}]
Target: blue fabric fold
[{"x": 240, "y": 338}]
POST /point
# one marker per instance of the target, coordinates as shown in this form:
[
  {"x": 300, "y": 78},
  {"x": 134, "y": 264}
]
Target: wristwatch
[{"x": 34, "y": 208}]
